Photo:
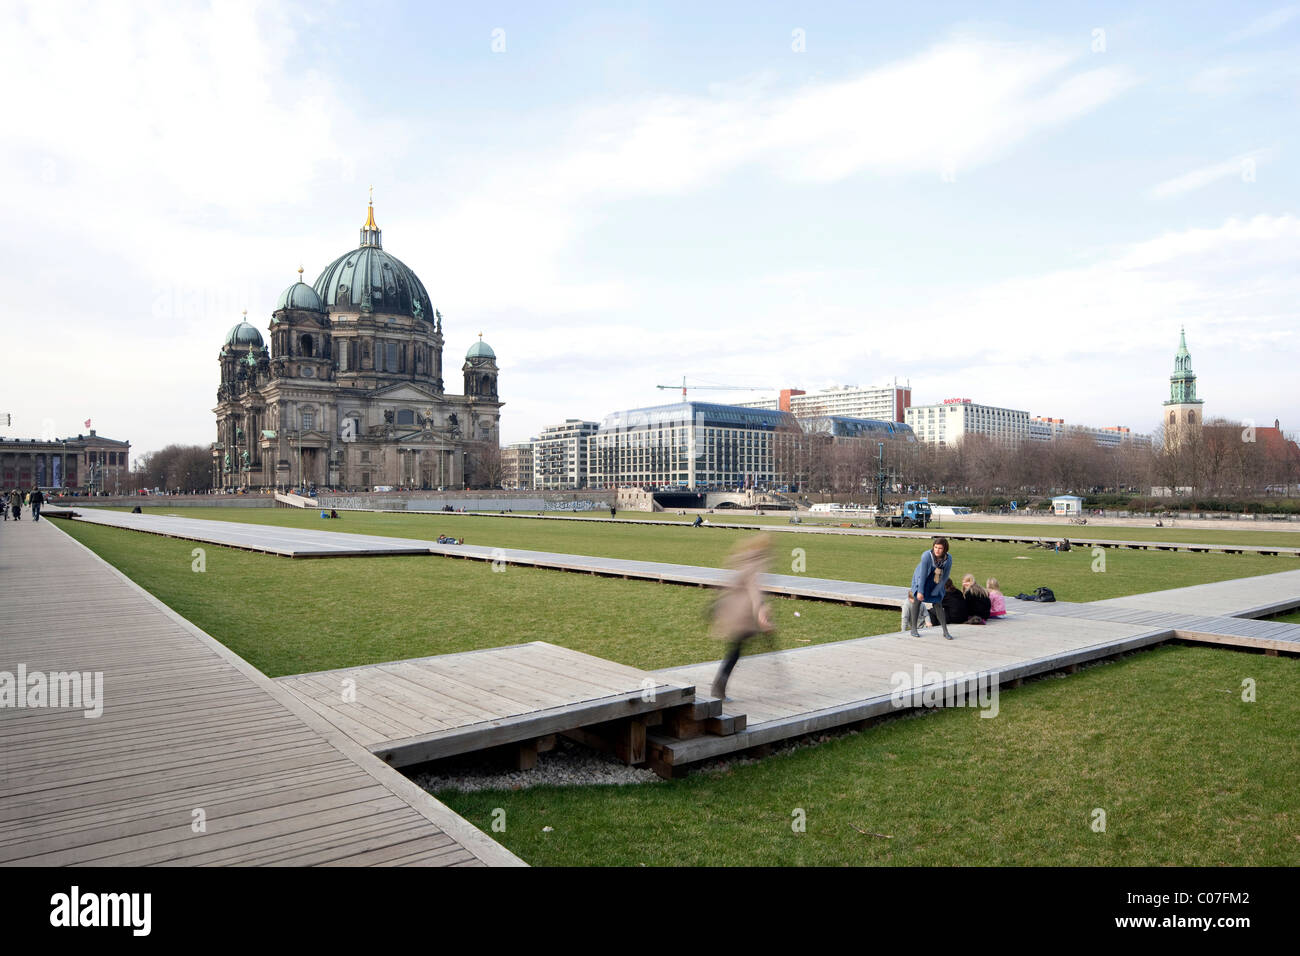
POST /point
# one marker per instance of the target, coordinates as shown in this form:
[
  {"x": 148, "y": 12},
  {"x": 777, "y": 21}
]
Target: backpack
[{"x": 1043, "y": 595}]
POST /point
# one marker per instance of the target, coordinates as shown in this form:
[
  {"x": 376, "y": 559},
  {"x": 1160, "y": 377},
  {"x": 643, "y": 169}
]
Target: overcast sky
[{"x": 1019, "y": 206}]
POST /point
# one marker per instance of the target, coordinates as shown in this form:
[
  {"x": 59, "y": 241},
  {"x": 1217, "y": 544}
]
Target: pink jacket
[{"x": 997, "y": 604}]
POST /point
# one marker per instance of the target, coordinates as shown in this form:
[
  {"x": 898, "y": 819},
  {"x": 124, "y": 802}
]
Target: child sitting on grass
[{"x": 997, "y": 603}]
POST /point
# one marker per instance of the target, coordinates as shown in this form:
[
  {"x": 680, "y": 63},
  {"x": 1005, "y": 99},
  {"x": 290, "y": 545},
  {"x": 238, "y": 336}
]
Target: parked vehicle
[{"x": 913, "y": 514}]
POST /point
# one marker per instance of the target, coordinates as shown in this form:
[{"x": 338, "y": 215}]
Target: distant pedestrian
[
  {"x": 16, "y": 504},
  {"x": 741, "y": 613},
  {"x": 35, "y": 500},
  {"x": 927, "y": 585}
]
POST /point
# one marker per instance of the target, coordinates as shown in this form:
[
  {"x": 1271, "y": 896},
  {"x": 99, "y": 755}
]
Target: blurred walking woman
[
  {"x": 927, "y": 585},
  {"x": 740, "y": 613}
]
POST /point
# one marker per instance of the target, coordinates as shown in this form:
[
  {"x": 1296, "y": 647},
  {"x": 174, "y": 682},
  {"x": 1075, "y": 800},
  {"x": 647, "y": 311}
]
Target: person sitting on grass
[
  {"x": 997, "y": 601},
  {"x": 978, "y": 605}
]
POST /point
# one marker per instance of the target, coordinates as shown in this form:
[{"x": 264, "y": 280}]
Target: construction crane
[{"x": 725, "y": 388}]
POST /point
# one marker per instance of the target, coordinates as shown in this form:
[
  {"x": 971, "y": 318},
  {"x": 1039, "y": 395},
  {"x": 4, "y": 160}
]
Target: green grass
[
  {"x": 289, "y": 617},
  {"x": 1187, "y": 773},
  {"x": 842, "y": 557}
]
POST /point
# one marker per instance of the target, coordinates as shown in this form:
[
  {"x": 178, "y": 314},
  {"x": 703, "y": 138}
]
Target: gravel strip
[{"x": 568, "y": 765}]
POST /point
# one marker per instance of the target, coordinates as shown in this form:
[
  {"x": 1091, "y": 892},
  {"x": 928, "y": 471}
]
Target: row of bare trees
[
  {"x": 1222, "y": 459},
  {"x": 181, "y": 468}
]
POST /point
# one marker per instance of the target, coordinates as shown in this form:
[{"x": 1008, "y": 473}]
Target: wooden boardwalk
[
  {"x": 1048, "y": 533},
  {"x": 299, "y": 542},
  {"x": 269, "y": 539},
  {"x": 412, "y": 711},
  {"x": 789, "y": 693},
  {"x": 189, "y": 733}
]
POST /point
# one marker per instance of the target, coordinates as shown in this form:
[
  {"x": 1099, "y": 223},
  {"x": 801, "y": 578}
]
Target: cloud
[
  {"x": 1243, "y": 166},
  {"x": 1091, "y": 343},
  {"x": 1266, "y": 24}
]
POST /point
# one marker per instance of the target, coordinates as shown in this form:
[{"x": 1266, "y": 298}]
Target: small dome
[
  {"x": 299, "y": 296},
  {"x": 244, "y": 334},
  {"x": 480, "y": 350}
]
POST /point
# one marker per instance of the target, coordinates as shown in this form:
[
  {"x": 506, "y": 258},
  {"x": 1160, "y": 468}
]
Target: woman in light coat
[{"x": 741, "y": 612}]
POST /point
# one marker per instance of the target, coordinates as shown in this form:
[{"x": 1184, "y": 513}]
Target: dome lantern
[{"x": 371, "y": 235}]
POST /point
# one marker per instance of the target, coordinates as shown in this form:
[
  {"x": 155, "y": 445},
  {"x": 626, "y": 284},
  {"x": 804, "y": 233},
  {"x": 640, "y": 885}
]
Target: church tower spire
[{"x": 1183, "y": 411}]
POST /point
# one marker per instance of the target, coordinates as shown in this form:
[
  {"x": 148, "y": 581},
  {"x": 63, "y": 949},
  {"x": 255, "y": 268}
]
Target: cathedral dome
[
  {"x": 367, "y": 279},
  {"x": 299, "y": 296},
  {"x": 480, "y": 350},
  {"x": 244, "y": 334}
]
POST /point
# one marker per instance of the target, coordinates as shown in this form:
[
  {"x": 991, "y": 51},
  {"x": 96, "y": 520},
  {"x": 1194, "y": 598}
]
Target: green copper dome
[
  {"x": 299, "y": 296},
  {"x": 480, "y": 350},
  {"x": 244, "y": 334},
  {"x": 370, "y": 280}
]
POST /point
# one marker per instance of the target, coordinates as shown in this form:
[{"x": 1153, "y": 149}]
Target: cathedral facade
[{"x": 350, "y": 393}]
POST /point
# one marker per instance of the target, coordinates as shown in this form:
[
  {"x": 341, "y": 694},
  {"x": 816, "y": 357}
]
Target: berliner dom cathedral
[{"x": 346, "y": 390}]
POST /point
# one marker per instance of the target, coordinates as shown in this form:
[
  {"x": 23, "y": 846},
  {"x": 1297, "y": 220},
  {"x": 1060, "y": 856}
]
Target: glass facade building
[{"x": 693, "y": 446}]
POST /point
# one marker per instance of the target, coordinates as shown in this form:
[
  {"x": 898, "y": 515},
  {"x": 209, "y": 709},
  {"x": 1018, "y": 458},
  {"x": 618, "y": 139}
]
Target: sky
[{"x": 1020, "y": 204}]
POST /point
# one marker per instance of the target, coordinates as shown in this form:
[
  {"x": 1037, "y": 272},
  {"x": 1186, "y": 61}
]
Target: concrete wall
[{"x": 164, "y": 502}]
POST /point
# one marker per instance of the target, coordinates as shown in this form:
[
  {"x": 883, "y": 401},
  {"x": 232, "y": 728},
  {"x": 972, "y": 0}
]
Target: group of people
[
  {"x": 932, "y": 587},
  {"x": 15, "y": 499}
]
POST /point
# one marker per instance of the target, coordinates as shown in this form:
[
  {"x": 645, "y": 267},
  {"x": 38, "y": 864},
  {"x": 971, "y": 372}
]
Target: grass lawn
[
  {"x": 343, "y": 612},
  {"x": 843, "y": 557},
  {"x": 1187, "y": 773}
]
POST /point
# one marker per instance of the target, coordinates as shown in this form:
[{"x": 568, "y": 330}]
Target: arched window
[
  {"x": 405, "y": 416},
  {"x": 1191, "y": 418},
  {"x": 305, "y": 344},
  {"x": 1172, "y": 419}
]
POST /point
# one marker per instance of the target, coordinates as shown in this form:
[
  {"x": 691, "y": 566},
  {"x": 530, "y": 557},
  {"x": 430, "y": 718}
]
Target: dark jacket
[
  {"x": 979, "y": 606},
  {"x": 954, "y": 605}
]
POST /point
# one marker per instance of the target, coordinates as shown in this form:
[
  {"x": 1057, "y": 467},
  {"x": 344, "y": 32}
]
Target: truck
[{"x": 913, "y": 514}]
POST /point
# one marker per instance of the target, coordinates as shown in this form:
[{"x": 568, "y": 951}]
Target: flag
[{"x": 87, "y": 422}]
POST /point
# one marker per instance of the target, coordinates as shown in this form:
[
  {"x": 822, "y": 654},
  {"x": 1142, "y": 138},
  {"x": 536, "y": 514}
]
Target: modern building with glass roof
[{"x": 695, "y": 446}]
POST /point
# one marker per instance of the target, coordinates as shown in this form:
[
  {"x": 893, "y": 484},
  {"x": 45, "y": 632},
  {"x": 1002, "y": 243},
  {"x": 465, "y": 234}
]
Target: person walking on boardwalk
[
  {"x": 927, "y": 585},
  {"x": 16, "y": 504},
  {"x": 740, "y": 613},
  {"x": 34, "y": 501}
]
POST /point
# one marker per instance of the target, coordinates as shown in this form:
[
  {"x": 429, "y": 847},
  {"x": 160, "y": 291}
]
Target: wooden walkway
[
  {"x": 189, "y": 733},
  {"x": 413, "y": 711},
  {"x": 299, "y": 543},
  {"x": 1048, "y": 533},
  {"x": 790, "y": 693},
  {"x": 410, "y": 711}
]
